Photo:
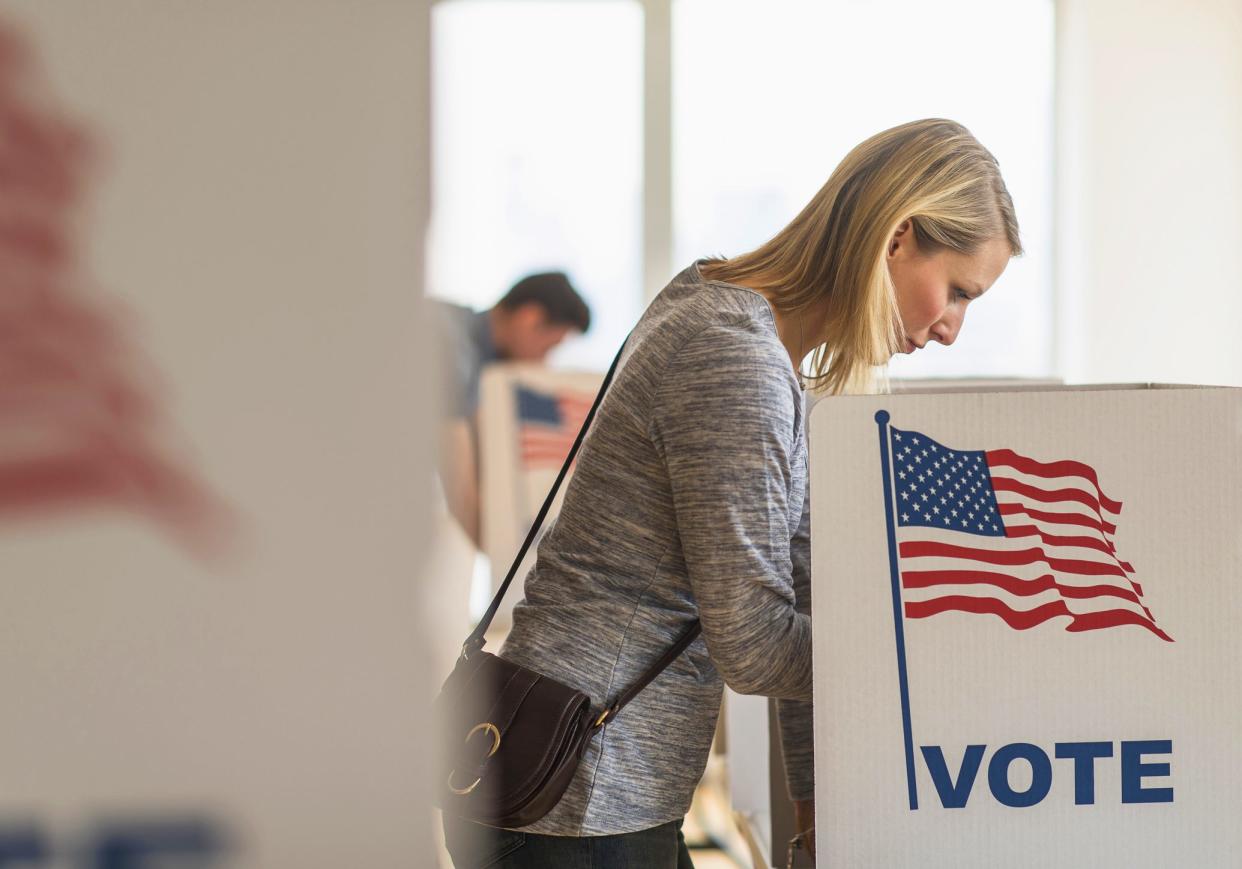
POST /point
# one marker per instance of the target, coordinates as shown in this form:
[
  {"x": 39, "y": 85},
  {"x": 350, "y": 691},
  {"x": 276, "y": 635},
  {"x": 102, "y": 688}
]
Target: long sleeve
[
  {"x": 795, "y": 716},
  {"x": 726, "y": 421}
]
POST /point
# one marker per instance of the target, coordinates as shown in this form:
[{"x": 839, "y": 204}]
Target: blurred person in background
[{"x": 535, "y": 316}]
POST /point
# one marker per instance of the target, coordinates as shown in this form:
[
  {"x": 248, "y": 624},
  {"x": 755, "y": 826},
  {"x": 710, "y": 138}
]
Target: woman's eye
[{"x": 961, "y": 294}]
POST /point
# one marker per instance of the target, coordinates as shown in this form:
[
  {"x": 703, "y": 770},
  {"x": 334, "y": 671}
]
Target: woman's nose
[{"x": 945, "y": 329}]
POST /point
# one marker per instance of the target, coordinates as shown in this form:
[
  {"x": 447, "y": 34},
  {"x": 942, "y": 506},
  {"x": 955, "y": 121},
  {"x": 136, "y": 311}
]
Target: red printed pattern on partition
[{"x": 79, "y": 422}]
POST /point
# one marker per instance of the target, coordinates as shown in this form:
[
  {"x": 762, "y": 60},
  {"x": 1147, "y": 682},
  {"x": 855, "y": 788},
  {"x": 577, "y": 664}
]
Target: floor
[
  {"x": 710, "y": 823},
  {"x": 711, "y": 858}
]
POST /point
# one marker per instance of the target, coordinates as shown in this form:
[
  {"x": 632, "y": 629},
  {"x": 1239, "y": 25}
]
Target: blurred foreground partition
[{"x": 213, "y": 456}]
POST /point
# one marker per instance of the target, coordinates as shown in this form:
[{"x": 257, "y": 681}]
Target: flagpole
[{"x": 881, "y": 418}]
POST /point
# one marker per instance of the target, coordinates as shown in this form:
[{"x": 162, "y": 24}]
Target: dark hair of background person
[{"x": 553, "y": 292}]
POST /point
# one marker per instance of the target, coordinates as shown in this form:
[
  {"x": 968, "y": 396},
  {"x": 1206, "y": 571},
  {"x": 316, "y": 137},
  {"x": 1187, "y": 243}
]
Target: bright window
[
  {"x": 537, "y": 126},
  {"x": 769, "y": 96}
]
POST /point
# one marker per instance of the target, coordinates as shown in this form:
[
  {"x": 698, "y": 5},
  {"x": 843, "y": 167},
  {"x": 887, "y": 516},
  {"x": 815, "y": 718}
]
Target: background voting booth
[
  {"x": 1025, "y": 621},
  {"x": 528, "y": 419}
]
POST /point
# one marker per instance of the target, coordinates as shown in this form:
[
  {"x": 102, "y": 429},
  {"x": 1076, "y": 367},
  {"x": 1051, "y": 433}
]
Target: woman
[{"x": 689, "y": 496}]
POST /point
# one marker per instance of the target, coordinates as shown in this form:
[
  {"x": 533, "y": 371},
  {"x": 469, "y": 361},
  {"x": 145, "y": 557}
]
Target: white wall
[
  {"x": 1150, "y": 190},
  {"x": 260, "y": 208}
]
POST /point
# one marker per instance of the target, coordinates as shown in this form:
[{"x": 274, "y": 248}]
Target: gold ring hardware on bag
[
  {"x": 602, "y": 716},
  {"x": 461, "y": 792},
  {"x": 487, "y": 727}
]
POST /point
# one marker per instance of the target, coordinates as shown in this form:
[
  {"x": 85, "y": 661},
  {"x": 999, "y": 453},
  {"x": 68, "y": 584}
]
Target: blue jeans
[{"x": 474, "y": 846}]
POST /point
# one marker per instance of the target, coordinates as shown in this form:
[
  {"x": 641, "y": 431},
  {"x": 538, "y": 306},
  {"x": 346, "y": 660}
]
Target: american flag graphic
[
  {"x": 548, "y": 424},
  {"x": 995, "y": 532},
  {"x": 81, "y": 425}
]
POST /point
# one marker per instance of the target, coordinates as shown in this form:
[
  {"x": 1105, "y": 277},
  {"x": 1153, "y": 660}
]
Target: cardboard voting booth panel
[
  {"x": 757, "y": 788},
  {"x": 188, "y": 324},
  {"x": 1026, "y": 620},
  {"x": 528, "y": 419}
]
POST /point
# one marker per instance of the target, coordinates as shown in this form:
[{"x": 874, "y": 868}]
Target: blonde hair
[{"x": 933, "y": 173}]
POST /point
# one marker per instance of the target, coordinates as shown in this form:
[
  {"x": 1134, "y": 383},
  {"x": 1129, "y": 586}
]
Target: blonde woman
[{"x": 689, "y": 497}]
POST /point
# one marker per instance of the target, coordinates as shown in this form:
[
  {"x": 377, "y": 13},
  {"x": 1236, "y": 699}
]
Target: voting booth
[
  {"x": 528, "y": 418},
  {"x": 1025, "y": 619}
]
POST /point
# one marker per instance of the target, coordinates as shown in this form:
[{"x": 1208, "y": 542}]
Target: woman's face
[{"x": 933, "y": 291}]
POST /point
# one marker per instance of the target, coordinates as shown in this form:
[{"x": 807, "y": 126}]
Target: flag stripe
[
  {"x": 1013, "y": 509},
  {"x": 1032, "y": 569},
  {"x": 919, "y": 548},
  {"x": 1010, "y": 491},
  {"x": 554, "y": 457},
  {"x": 1024, "y": 603},
  {"x": 955, "y": 537},
  {"x": 1067, "y": 521},
  {"x": 1058, "y": 540},
  {"x": 1012, "y": 584},
  {"x": 1008, "y": 458},
  {"x": 1003, "y": 484},
  {"x": 1024, "y": 619},
  {"x": 1025, "y": 572},
  {"x": 545, "y": 452},
  {"x": 1054, "y": 484},
  {"x": 537, "y": 435},
  {"x": 1054, "y": 527},
  {"x": 950, "y": 557}
]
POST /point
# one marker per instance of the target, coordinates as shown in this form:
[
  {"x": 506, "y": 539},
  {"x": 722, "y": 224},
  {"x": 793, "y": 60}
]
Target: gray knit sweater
[{"x": 688, "y": 500}]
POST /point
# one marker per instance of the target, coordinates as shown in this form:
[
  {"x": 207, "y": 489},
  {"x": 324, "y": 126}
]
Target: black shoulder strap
[
  {"x": 688, "y": 636},
  {"x": 475, "y": 641}
]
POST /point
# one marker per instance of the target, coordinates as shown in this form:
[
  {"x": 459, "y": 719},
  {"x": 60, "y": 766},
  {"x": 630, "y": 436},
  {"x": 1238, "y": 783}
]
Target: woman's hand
[{"x": 804, "y": 823}]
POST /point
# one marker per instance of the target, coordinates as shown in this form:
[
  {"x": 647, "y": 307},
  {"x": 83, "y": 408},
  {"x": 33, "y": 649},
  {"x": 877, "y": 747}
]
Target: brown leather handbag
[{"x": 515, "y": 737}]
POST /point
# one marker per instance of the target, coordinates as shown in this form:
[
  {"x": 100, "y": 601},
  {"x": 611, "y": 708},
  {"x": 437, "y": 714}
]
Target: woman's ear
[{"x": 901, "y": 236}]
